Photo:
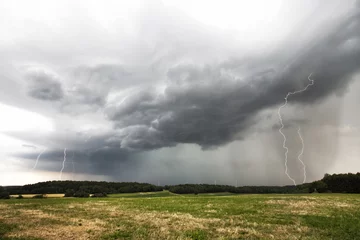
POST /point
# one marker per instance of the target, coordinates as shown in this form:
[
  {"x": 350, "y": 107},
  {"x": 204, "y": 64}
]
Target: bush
[
  {"x": 318, "y": 186},
  {"x": 81, "y": 194},
  {"x": 99, "y": 195},
  {"x": 20, "y": 197},
  {"x": 69, "y": 193},
  {"x": 4, "y": 195},
  {"x": 39, "y": 196}
]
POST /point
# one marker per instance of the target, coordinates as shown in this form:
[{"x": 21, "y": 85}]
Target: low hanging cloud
[{"x": 210, "y": 105}]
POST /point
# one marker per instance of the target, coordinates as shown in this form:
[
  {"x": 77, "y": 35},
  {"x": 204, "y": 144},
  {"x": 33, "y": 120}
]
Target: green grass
[{"x": 164, "y": 215}]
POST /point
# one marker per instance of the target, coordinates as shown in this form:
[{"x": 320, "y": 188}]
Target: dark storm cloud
[
  {"x": 44, "y": 85},
  {"x": 180, "y": 83},
  {"x": 209, "y": 105}
]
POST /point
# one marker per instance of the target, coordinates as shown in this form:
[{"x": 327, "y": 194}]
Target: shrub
[
  {"x": 99, "y": 195},
  {"x": 69, "y": 193},
  {"x": 81, "y": 194},
  {"x": 20, "y": 197},
  {"x": 318, "y": 186},
  {"x": 39, "y": 196}
]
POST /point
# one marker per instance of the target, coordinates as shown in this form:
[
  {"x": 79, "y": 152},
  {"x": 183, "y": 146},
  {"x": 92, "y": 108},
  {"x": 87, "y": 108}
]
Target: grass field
[{"x": 170, "y": 216}]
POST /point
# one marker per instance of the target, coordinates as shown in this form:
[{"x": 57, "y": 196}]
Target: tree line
[
  {"x": 336, "y": 183},
  {"x": 211, "y": 188},
  {"x": 80, "y": 188}
]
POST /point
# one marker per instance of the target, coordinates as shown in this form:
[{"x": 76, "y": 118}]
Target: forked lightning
[
  {"x": 63, "y": 164},
  {"x": 282, "y": 127}
]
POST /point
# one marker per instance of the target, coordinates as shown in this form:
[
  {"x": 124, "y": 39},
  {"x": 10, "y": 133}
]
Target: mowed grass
[{"x": 166, "y": 215}]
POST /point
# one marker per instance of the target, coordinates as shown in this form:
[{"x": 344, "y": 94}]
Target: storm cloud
[
  {"x": 210, "y": 105},
  {"x": 139, "y": 97}
]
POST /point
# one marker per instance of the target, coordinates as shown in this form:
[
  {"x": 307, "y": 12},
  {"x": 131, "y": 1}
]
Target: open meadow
[{"x": 164, "y": 215}]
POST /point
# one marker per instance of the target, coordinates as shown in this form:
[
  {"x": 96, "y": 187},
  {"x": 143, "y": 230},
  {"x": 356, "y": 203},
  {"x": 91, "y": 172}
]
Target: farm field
[
  {"x": 164, "y": 215},
  {"x": 54, "y": 195}
]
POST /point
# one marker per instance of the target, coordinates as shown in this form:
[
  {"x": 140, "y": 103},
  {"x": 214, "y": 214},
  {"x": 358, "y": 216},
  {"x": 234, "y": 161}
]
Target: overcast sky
[{"x": 178, "y": 91}]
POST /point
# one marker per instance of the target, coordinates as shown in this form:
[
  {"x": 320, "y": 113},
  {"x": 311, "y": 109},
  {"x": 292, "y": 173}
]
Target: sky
[{"x": 171, "y": 92}]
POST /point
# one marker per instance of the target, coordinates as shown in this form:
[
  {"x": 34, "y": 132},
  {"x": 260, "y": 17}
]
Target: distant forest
[{"x": 335, "y": 183}]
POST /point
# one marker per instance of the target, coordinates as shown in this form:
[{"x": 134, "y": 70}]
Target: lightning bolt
[
  {"x": 301, "y": 153},
  {"x": 282, "y": 127},
  {"x": 38, "y": 157},
  {"x": 63, "y": 164}
]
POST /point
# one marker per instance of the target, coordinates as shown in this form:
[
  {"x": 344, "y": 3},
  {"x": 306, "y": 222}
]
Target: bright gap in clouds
[
  {"x": 18, "y": 120},
  {"x": 230, "y": 14}
]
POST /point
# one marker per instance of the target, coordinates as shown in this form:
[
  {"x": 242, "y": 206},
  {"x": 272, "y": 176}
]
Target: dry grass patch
[
  {"x": 236, "y": 231},
  {"x": 34, "y": 213},
  {"x": 37, "y": 223},
  {"x": 56, "y": 232},
  {"x": 174, "y": 221},
  {"x": 52, "y": 195},
  {"x": 211, "y": 211},
  {"x": 3, "y": 206},
  {"x": 305, "y": 207},
  {"x": 290, "y": 231}
]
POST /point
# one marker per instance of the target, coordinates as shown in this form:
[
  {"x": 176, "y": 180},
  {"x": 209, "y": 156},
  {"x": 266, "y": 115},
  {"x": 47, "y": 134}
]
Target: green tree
[
  {"x": 320, "y": 186},
  {"x": 81, "y": 194},
  {"x": 69, "y": 193}
]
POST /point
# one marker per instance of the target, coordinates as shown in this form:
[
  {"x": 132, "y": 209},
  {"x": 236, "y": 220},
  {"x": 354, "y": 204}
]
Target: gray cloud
[
  {"x": 104, "y": 76},
  {"x": 44, "y": 85},
  {"x": 80, "y": 99},
  {"x": 120, "y": 106},
  {"x": 210, "y": 105}
]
